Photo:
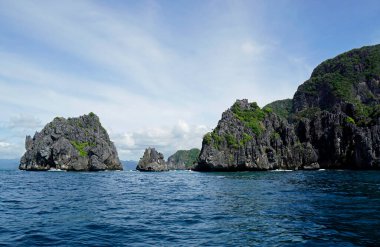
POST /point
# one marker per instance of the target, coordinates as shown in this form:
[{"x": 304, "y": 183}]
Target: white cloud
[
  {"x": 167, "y": 139},
  {"x": 9, "y": 150},
  {"x": 4, "y": 144},
  {"x": 250, "y": 48},
  {"x": 24, "y": 122}
]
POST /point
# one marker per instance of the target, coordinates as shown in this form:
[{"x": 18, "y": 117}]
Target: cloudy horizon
[{"x": 160, "y": 73}]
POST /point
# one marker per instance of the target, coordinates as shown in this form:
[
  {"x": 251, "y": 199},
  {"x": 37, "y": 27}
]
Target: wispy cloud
[
  {"x": 5, "y": 145},
  {"x": 24, "y": 122},
  {"x": 8, "y": 150}
]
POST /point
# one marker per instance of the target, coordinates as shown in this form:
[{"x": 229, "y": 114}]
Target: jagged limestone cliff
[
  {"x": 333, "y": 121},
  {"x": 73, "y": 144}
]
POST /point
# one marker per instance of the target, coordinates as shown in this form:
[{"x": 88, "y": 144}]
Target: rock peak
[
  {"x": 152, "y": 161},
  {"x": 242, "y": 103}
]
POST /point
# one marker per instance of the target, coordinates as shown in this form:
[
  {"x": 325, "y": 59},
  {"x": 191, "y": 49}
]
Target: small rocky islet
[
  {"x": 332, "y": 122},
  {"x": 152, "y": 161},
  {"x": 73, "y": 144}
]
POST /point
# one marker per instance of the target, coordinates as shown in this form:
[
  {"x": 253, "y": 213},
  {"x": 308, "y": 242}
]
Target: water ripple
[{"x": 339, "y": 208}]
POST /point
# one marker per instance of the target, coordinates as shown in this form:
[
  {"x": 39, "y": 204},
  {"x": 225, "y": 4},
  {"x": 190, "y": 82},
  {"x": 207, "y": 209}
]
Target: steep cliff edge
[
  {"x": 73, "y": 144},
  {"x": 333, "y": 121}
]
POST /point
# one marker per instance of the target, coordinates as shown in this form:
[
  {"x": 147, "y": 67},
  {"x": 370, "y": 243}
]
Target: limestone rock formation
[
  {"x": 183, "y": 159},
  {"x": 152, "y": 161},
  {"x": 333, "y": 121},
  {"x": 73, "y": 144}
]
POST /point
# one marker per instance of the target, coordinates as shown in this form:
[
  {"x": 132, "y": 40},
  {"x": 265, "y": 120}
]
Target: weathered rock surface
[
  {"x": 183, "y": 159},
  {"x": 333, "y": 121},
  {"x": 264, "y": 142},
  {"x": 152, "y": 161},
  {"x": 73, "y": 144}
]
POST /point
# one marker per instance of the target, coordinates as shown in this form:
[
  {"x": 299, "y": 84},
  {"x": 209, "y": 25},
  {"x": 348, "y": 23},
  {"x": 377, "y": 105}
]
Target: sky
[{"x": 160, "y": 73}]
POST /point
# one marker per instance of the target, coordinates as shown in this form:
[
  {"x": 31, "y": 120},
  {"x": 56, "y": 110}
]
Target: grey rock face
[
  {"x": 339, "y": 143},
  {"x": 234, "y": 146},
  {"x": 73, "y": 144},
  {"x": 152, "y": 161}
]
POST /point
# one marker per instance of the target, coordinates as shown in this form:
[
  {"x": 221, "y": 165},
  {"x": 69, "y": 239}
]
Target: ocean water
[{"x": 183, "y": 208}]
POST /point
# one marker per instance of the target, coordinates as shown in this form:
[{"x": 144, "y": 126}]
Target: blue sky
[{"x": 160, "y": 73}]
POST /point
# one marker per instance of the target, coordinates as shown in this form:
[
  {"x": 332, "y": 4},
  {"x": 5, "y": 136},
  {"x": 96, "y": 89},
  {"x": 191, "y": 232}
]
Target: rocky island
[
  {"x": 73, "y": 144},
  {"x": 152, "y": 161},
  {"x": 332, "y": 122}
]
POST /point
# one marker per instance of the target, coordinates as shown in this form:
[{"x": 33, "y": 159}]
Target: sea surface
[{"x": 184, "y": 208}]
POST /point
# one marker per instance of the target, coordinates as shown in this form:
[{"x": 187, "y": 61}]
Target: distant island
[
  {"x": 183, "y": 159},
  {"x": 332, "y": 122}
]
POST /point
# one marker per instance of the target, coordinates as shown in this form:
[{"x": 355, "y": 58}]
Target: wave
[
  {"x": 55, "y": 170},
  {"x": 282, "y": 170}
]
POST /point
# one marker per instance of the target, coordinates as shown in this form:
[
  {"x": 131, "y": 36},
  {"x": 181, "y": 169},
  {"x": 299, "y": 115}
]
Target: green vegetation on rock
[
  {"x": 350, "y": 78},
  {"x": 339, "y": 85},
  {"x": 251, "y": 117},
  {"x": 246, "y": 139},
  {"x": 350, "y": 120},
  {"x": 59, "y": 119},
  {"x": 81, "y": 147},
  {"x": 275, "y": 136},
  {"x": 231, "y": 141},
  {"x": 214, "y": 138},
  {"x": 192, "y": 156},
  {"x": 357, "y": 64},
  {"x": 308, "y": 113},
  {"x": 280, "y": 107},
  {"x": 187, "y": 157},
  {"x": 375, "y": 112},
  {"x": 207, "y": 138}
]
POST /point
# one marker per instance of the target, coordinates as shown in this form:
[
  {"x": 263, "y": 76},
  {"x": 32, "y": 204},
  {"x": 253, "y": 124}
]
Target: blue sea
[{"x": 184, "y": 208}]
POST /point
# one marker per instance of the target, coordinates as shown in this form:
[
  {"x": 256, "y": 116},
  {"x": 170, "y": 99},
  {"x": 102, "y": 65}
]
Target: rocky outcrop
[
  {"x": 152, "y": 161},
  {"x": 73, "y": 144},
  {"x": 183, "y": 159},
  {"x": 333, "y": 121},
  {"x": 248, "y": 138}
]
